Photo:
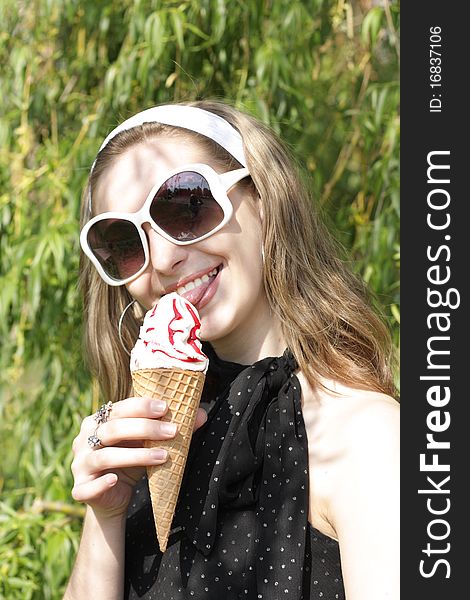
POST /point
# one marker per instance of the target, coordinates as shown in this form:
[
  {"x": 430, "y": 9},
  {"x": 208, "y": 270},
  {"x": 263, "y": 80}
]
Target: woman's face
[{"x": 221, "y": 275}]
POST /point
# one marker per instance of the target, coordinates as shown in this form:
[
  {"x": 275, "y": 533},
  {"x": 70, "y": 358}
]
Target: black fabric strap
[{"x": 252, "y": 453}]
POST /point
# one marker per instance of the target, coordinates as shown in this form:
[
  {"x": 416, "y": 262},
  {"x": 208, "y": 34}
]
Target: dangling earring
[
  {"x": 121, "y": 318},
  {"x": 262, "y": 253}
]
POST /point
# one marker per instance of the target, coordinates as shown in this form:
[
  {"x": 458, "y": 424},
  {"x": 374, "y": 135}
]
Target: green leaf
[
  {"x": 371, "y": 26},
  {"x": 178, "y": 26}
]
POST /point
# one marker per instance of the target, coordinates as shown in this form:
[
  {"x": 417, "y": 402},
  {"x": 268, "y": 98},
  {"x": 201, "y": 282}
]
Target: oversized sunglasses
[{"x": 184, "y": 206}]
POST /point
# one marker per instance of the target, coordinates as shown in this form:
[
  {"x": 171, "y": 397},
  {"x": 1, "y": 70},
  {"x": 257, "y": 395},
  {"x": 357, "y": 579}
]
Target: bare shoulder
[
  {"x": 341, "y": 401},
  {"x": 347, "y": 420},
  {"x": 345, "y": 427},
  {"x": 365, "y": 418},
  {"x": 353, "y": 440}
]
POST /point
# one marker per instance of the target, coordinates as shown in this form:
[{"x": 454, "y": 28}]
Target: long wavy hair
[{"x": 329, "y": 319}]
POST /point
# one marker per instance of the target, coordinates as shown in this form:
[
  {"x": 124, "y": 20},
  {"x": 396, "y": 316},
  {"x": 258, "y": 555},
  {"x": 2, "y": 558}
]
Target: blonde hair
[{"x": 328, "y": 317}]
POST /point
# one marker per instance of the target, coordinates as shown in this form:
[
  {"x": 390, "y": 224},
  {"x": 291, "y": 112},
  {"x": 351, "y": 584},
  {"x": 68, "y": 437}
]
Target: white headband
[
  {"x": 193, "y": 118},
  {"x": 188, "y": 117}
]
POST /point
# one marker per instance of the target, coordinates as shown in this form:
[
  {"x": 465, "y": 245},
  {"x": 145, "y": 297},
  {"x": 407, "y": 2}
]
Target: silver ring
[
  {"x": 94, "y": 441},
  {"x": 102, "y": 414}
]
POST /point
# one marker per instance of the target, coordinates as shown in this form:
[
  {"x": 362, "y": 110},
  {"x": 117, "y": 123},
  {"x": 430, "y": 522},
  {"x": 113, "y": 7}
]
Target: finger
[
  {"x": 115, "y": 431},
  {"x": 76, "y": 443},
  {"x": 150, "y": 408},
  {"x": 105, "y": 459},
  {"x": 201, "y": 418},
  {"x": 87, "y": 424},
  {"x": 84, "y": 492}
]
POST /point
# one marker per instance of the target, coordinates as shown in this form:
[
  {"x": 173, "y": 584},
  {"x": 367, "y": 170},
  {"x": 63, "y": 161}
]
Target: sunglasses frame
[{"x": 219, "y": 185}]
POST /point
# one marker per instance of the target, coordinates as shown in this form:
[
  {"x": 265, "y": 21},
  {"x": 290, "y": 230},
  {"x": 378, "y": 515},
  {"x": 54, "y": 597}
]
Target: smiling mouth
[{"x": 199, "y": 281}]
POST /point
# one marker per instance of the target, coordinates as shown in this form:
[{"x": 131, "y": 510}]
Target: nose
[{"x": 165, "y": 256}]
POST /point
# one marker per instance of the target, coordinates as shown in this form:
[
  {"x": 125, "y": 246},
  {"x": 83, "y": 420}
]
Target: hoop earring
[{"x": 121, "y": 319}]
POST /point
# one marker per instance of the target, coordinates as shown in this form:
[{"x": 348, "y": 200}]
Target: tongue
[{"x": 197, "y": 293}]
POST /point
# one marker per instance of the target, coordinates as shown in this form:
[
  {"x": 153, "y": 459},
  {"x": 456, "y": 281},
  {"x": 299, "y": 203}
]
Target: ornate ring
[
  {"x": 94, "y": 441},
  {"x": 102, "y": 414}
]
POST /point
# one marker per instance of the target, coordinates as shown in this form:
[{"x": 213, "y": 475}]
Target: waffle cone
[{"x": 182, "y": 390}]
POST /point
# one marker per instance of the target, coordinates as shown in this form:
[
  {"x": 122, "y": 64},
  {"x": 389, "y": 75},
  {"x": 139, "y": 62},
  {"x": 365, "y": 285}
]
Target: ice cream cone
[{"x": 182, "y": 390}]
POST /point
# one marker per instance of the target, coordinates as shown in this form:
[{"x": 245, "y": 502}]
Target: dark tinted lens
[
  {"x": 116, "y": 244},
  {"x": 185, "y": 208}
]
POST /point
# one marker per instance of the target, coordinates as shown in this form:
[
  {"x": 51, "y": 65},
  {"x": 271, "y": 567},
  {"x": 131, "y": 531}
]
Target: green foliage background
[{"x": 323, "y": 73}]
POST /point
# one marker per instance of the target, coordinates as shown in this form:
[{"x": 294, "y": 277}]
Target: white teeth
[{"x": 197, "y": 282}]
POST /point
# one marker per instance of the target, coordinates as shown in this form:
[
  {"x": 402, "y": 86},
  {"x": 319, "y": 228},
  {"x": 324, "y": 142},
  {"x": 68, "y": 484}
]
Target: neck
[{"x": 247, "y": 347}]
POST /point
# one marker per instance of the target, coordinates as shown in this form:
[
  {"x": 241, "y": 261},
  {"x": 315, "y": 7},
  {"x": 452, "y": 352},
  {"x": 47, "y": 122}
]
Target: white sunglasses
[{"x": 185, "y": 206}]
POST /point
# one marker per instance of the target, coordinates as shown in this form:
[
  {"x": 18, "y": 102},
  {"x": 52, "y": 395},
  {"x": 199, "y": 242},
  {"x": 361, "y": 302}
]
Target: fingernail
[
  {"x": 169, "y": 428},
  {"x": 157, "y": 406},
  {"x": 158, "y": 454}
]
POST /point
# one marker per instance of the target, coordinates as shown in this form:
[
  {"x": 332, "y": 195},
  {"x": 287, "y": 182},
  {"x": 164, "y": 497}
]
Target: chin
[
  {"x": 207, "y": 334},
  {"x": 211, "y": 329}
]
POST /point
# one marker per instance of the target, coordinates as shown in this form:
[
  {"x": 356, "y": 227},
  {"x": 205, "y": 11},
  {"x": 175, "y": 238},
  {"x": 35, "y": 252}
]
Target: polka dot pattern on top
[{"x": 240, "y": 528}]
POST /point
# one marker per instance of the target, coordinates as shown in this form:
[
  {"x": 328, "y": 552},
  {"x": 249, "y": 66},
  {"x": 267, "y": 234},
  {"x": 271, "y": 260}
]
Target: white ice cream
[{"x": 169, "y": 337}]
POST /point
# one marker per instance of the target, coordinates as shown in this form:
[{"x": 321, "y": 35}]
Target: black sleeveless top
[{"x": 240, "y": 529}]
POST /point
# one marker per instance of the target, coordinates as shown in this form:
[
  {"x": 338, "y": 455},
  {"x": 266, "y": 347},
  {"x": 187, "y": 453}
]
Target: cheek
[
  {"x": 250, "y": 256},
  {"x": 242, "y": 252},
  {"x": 244, "y": 276},
  {"x": 249, "y": 275},
  {"x": 141, "y": 290}
]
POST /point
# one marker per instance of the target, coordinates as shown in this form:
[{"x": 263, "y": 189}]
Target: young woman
[{"x": 291, "y": 485}]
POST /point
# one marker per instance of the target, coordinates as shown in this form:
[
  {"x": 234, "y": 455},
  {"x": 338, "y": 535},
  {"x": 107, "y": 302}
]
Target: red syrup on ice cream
[{"x": 192, "y": 338}]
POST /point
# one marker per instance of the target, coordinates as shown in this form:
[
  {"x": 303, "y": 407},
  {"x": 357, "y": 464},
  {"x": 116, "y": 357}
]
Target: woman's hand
[{"x": 104, "y": 476}]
